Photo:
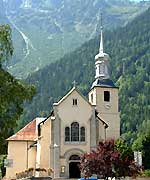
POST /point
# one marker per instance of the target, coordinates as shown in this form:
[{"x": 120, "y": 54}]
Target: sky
[{"x": 139, "y": 0}]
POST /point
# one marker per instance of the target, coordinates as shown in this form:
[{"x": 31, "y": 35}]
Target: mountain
[
  {"x": 45, "y": 30},
  {"x": 129, "y": 49}
]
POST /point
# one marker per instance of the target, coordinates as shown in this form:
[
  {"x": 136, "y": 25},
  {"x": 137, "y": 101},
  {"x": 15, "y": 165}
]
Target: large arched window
[
  {"x": 75, "y": 131},
  {"x": 67, "y": 134},
  {"x": 82, "y": 134}
]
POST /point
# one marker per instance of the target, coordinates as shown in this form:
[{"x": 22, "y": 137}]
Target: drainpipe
[
  {"x": 38, "y": 156},
  {"x": 27, "y": 156}
]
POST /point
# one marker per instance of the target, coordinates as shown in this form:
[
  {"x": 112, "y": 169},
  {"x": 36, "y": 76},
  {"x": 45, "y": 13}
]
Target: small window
[
  {"x": 82, "y": 134},
  {"x": 103, "y": 68},
  {"x": 106, "y": 96},
  {"x": 75, "y": 102},
  {"x": 39, "y": 130},
  {"x": 99, "y": 70},
  {"x": 91, "y": 98},
  {"x": 67, "y": 134}
]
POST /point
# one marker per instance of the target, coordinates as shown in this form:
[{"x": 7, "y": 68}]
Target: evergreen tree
[{"x": 13, "y": 93}]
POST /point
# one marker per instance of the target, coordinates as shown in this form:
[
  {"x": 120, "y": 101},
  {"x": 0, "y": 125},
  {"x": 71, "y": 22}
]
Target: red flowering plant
[{"x": 106, "y": 161}]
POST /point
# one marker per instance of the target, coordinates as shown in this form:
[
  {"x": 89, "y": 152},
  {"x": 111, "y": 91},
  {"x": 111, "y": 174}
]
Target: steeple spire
[
  {"x": 101, "y": 58},
  {"x": 101, "y": 53},
  {"x": 101, "y": 38},
  {"x": 101, "y": 42},
  {"x": 102, "y": 77}
]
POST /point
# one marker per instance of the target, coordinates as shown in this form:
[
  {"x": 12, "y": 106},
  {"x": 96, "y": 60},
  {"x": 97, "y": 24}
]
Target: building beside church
[{"x": 75, "y": 126}]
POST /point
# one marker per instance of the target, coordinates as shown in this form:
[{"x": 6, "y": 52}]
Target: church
[{"x": 75, "y": 126}]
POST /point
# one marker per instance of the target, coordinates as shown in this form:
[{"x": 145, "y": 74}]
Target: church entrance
[{"x": 74, "y": 170}]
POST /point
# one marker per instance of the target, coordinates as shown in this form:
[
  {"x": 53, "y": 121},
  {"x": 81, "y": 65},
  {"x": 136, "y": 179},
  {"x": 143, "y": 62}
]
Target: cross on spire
[
  {"x": 101, "y": 20},
  {"x": 74, "y": 83}
]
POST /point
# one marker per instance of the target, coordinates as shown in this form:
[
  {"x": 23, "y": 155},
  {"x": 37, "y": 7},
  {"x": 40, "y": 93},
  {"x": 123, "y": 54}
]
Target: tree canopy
[
  {"x": 13, "y": 93},
  {"x": 142, "y": 143},
  {"x": 6, "y": 46}
]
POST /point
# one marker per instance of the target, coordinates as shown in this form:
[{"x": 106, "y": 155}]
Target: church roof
[
  {"x": 64, "y": 97},
  {"x": 103, "y": 83},
  {"x": 103, "y": 122},
  {"x": 28, "y": 133},
  {"x": 100, "y": 119}
]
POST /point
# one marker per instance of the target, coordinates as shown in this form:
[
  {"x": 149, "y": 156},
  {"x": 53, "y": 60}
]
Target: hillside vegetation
[
  {"x": 45, "y": 30},
  {"x": 129, "y": 49}
]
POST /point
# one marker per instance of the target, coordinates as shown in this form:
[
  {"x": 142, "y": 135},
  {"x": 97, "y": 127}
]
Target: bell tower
[{"x": 104, "y": 94}]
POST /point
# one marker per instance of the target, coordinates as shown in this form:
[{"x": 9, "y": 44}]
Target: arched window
[
  {"x": 67, "y": 134},
  {"x": 82, "y": 134},
  {"x": 75, "y": 131}
]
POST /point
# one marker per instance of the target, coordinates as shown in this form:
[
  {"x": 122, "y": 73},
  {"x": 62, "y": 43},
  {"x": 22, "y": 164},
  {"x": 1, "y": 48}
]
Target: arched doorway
[{"x": 74, "y": 170}]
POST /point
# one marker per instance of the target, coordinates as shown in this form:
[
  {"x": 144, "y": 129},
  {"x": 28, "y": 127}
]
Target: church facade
[{"x": 75, "y": 126}]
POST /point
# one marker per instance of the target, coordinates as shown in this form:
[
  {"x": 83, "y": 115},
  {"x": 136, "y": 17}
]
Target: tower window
[
  {"x": 75, "y": 102},
  {"x": 67, "y": 134},
  {"x": 99, "y": 70},
  {"x": 106, "y": 96},
  {"x": 91, "y": 98}
]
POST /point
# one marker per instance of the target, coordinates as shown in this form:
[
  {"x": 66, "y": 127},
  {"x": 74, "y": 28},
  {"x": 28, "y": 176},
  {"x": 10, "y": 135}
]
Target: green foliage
[
  {"x": 137, "y": 145},
  {"x": 13, "y": 93},
  {"x": 146, "y": 173},
  {"x": 142, "y": 143},
  {"x": 124, "y": 149},
  {"x": 2, "y": 169},
  {"x": 6, "y": 48},
  {"x": 146, "y": 152}
]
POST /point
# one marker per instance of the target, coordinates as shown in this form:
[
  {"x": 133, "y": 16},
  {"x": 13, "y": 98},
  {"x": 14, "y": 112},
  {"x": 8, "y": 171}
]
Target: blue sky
[{"x": 139, "y": 0}]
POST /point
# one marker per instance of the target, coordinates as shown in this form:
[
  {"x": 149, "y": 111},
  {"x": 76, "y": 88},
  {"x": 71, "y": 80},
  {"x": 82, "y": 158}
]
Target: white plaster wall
[
  {"x": 108, "y": 111},
  {"x": 102, "y": 105},
  {"x": 93, "y": 91},
  {"x": 17, "y": 151},
  {"x": 45, "y": 142},
  {"x": 113, "y": 121},
  {"x": 81, "y": 114}
]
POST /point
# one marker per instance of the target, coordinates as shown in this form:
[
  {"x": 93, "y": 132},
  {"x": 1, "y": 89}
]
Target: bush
[{"x": 146, "y": 173}]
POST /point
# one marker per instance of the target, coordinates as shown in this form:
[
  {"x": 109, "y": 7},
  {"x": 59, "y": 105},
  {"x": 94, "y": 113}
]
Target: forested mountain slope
[
  {"x": 45, "y": 30},
  {"x": 129, "y": 49}
]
